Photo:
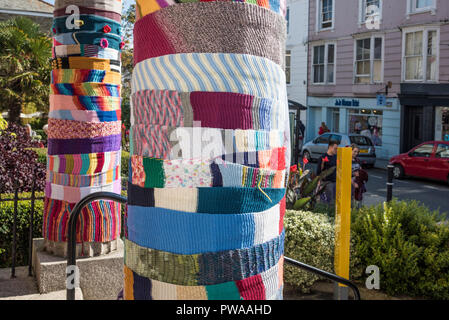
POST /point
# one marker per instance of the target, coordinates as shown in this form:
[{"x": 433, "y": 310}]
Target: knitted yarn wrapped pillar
[
  {"x": 84, "y": 126},
  {"x": 209, "y": 150}
]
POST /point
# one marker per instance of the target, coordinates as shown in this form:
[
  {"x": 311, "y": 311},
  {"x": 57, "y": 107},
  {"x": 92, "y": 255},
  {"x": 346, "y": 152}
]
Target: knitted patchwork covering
[
  {"x": 209, "y": 145},
  {"x": 154, "y": 228},
  {"x": 144, "y": 7},
  {"x": 98, "y": 221},
  {"x": 232, "y": 200},
  {"x": 156, "y": 173},
  {"x": 104, "y": 40},
  {"x": 84, "y": 164},
  {"x": 86, "y": 116},
  {"x": 92, "y": 11},
  {"x": 263, "y": 286},
  {"x": 67, "y": 129},
  {"x": 174, "y": 143},
  {"x": 87, "y": 22},
  {"x": 75, "y": 194},
  {"x": 86, "y": 50},
  {"x": 73, "y": 180},
  {"x": 211, "y": 27},
  {"x": 85, "y": 89},
  {"x": 219, "y": 72},
  {"x": 106, "y": 5},
  {"x": 206, "y": 268},
  {"x": 99, "y": 103},
  {"x": 86, "y": 63},
  {"x": 84, "y": 127},
  {"x": 78, "y": 146},
  {"x": 80, "y": 75},
  {"x": 225, "y": 110}
]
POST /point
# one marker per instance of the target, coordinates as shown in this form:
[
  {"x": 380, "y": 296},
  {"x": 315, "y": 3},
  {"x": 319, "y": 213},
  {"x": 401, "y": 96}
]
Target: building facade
[
  {"x": 366, "y": 59},
  {"x": 37, "y": 10}
]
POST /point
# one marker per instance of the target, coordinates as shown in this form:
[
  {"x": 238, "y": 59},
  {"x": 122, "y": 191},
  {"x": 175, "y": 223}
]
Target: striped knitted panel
[
  {"x": 216, "y": 20},
  {"x": 209, "y": 145},
  {"x": 84, "y": 126}
]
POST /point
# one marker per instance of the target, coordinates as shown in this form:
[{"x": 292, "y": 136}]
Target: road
[{"x": 433, "y": 194}]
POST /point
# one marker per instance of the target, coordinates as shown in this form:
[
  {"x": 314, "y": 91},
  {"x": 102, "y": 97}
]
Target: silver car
[{"x": 318, "y": 146}]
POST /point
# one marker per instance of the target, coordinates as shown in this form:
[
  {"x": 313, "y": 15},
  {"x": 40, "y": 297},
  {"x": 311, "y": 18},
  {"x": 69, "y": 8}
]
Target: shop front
[
  {"x": 365, "y": 116},
  {"x": 425, "y": 113}
]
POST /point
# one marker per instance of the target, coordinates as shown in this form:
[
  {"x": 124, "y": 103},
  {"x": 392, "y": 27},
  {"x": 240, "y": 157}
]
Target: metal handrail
[
  {"x": 71, "y": 249},
  {"x": 71, "y": 241},
  {"x": 325, "y": 274}
]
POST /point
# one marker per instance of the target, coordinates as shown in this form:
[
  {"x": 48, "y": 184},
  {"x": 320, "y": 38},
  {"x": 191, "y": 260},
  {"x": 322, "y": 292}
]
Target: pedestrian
[
  {"x": 323, "y": 129},
  {"x": 359, "y": 178},
  {"x": 325, "y": 162}
]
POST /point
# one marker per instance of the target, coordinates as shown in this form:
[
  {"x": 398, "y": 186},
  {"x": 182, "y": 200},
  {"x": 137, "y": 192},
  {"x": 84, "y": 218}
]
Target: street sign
[{"x": 381, "y": 100}]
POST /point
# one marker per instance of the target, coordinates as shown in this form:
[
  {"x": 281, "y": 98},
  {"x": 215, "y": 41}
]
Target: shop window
[
  {"x": 442, "y": 151},
  {"x": 368, "y": 123},
  {"x": 288, "y": 64},
  {"x": 368, "y": 60},
  {"x": 421, "y": 55}
]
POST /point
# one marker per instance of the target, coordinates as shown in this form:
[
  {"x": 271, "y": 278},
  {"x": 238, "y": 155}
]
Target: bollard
[
  {"x": 390, "y": 168},
  {"x": 14, "y": 235},
  {"x": 31, "y": 230}
]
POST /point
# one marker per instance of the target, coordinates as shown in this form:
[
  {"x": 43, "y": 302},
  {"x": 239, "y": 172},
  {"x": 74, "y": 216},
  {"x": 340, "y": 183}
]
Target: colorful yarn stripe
[
  {"x": 73, "y": 180},
  {"x": 99, "y": 221},
  {"x": 219, "y": 72},
  {"x": 157, "y": 173},
  {"x": 203, "y": 269},
  {"x": 104, "y": 40},
  {"x": 106, "y": 5},
  {"x": 145, "y": 7},
  {"x": 154, "y": 228},
  {"x": 87, "y": 22},
  {"x": 77, "y": 146},
  {"x": 264, "y": 286},
  {"x": 173, "y": 143},
  {"x": 67, "y": 129},
  {"x": 75, "y": 194},
  {"x": 85, "y": 10},
  {"x": 86, "y": 50},
  {"x": 233, "y": 200},
  {"x": 86, "y": 116},
  {"x": 63, "y": 102},
  {"x": 82, "y": 164},
  {"x": 225, "y": 110},
  {"x": 85, "y": 89},
  {"x": 86, "y": 63},
  {"x": 79, "y": 75}
]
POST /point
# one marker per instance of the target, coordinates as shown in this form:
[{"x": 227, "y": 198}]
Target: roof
[{"x": 38, "y": 6}]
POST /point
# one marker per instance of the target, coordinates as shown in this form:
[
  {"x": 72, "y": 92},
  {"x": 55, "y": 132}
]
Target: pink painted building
[{"x": 357, "y": 48}]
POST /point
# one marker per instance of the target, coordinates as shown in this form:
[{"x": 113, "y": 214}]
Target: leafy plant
[{"x": 304, "y": 188}]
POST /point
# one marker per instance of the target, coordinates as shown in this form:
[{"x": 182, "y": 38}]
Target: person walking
[
  {"x": 323, "y": 129},
  {"x": 359, "y": 178},
  {"x": 325, "y": 162}
]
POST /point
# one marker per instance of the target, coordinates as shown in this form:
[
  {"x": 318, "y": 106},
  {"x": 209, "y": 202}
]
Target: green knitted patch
[
  {"x": 223, "y": 291},
  {"x": 154, "y": 173}
]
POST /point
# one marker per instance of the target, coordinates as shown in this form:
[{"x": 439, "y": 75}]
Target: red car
[{"x": 428, "y": 160}]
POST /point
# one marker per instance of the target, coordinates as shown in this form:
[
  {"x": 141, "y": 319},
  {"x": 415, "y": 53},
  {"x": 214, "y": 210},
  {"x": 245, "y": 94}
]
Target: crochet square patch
[{"x": 154, "y": 173}]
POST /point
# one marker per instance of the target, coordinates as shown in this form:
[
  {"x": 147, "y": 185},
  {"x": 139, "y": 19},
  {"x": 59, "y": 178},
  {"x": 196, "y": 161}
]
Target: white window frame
[
  {"x": 372, "y": 38},
  {"x": 326, "y": 51},
  {"x": 288, "y": 52},
  {"x": 411, "y": 8},
  {"x": 318, "y": 16},
  {"x": 362, "y": 12},
  {"x": 425, "y": 31}
]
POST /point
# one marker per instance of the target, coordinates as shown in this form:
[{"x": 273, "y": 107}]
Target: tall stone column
[
  {"x": 209, "y": 148},
  {"x": 84, "y": 126}
]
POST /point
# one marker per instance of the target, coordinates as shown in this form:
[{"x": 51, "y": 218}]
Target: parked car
[
  {"x": 318, "y": 146},
  {"x": 427, "y": 160}
]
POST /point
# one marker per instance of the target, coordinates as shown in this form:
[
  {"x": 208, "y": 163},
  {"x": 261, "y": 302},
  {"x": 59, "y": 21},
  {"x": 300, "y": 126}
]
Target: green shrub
[
  {"x": 410, "y": 246},
  {"x": 125, "y": 163},
  {"x": 22, "y": 228},
  {"x": 309, "y": 239},
  {"x": 41, "y": 155}
]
